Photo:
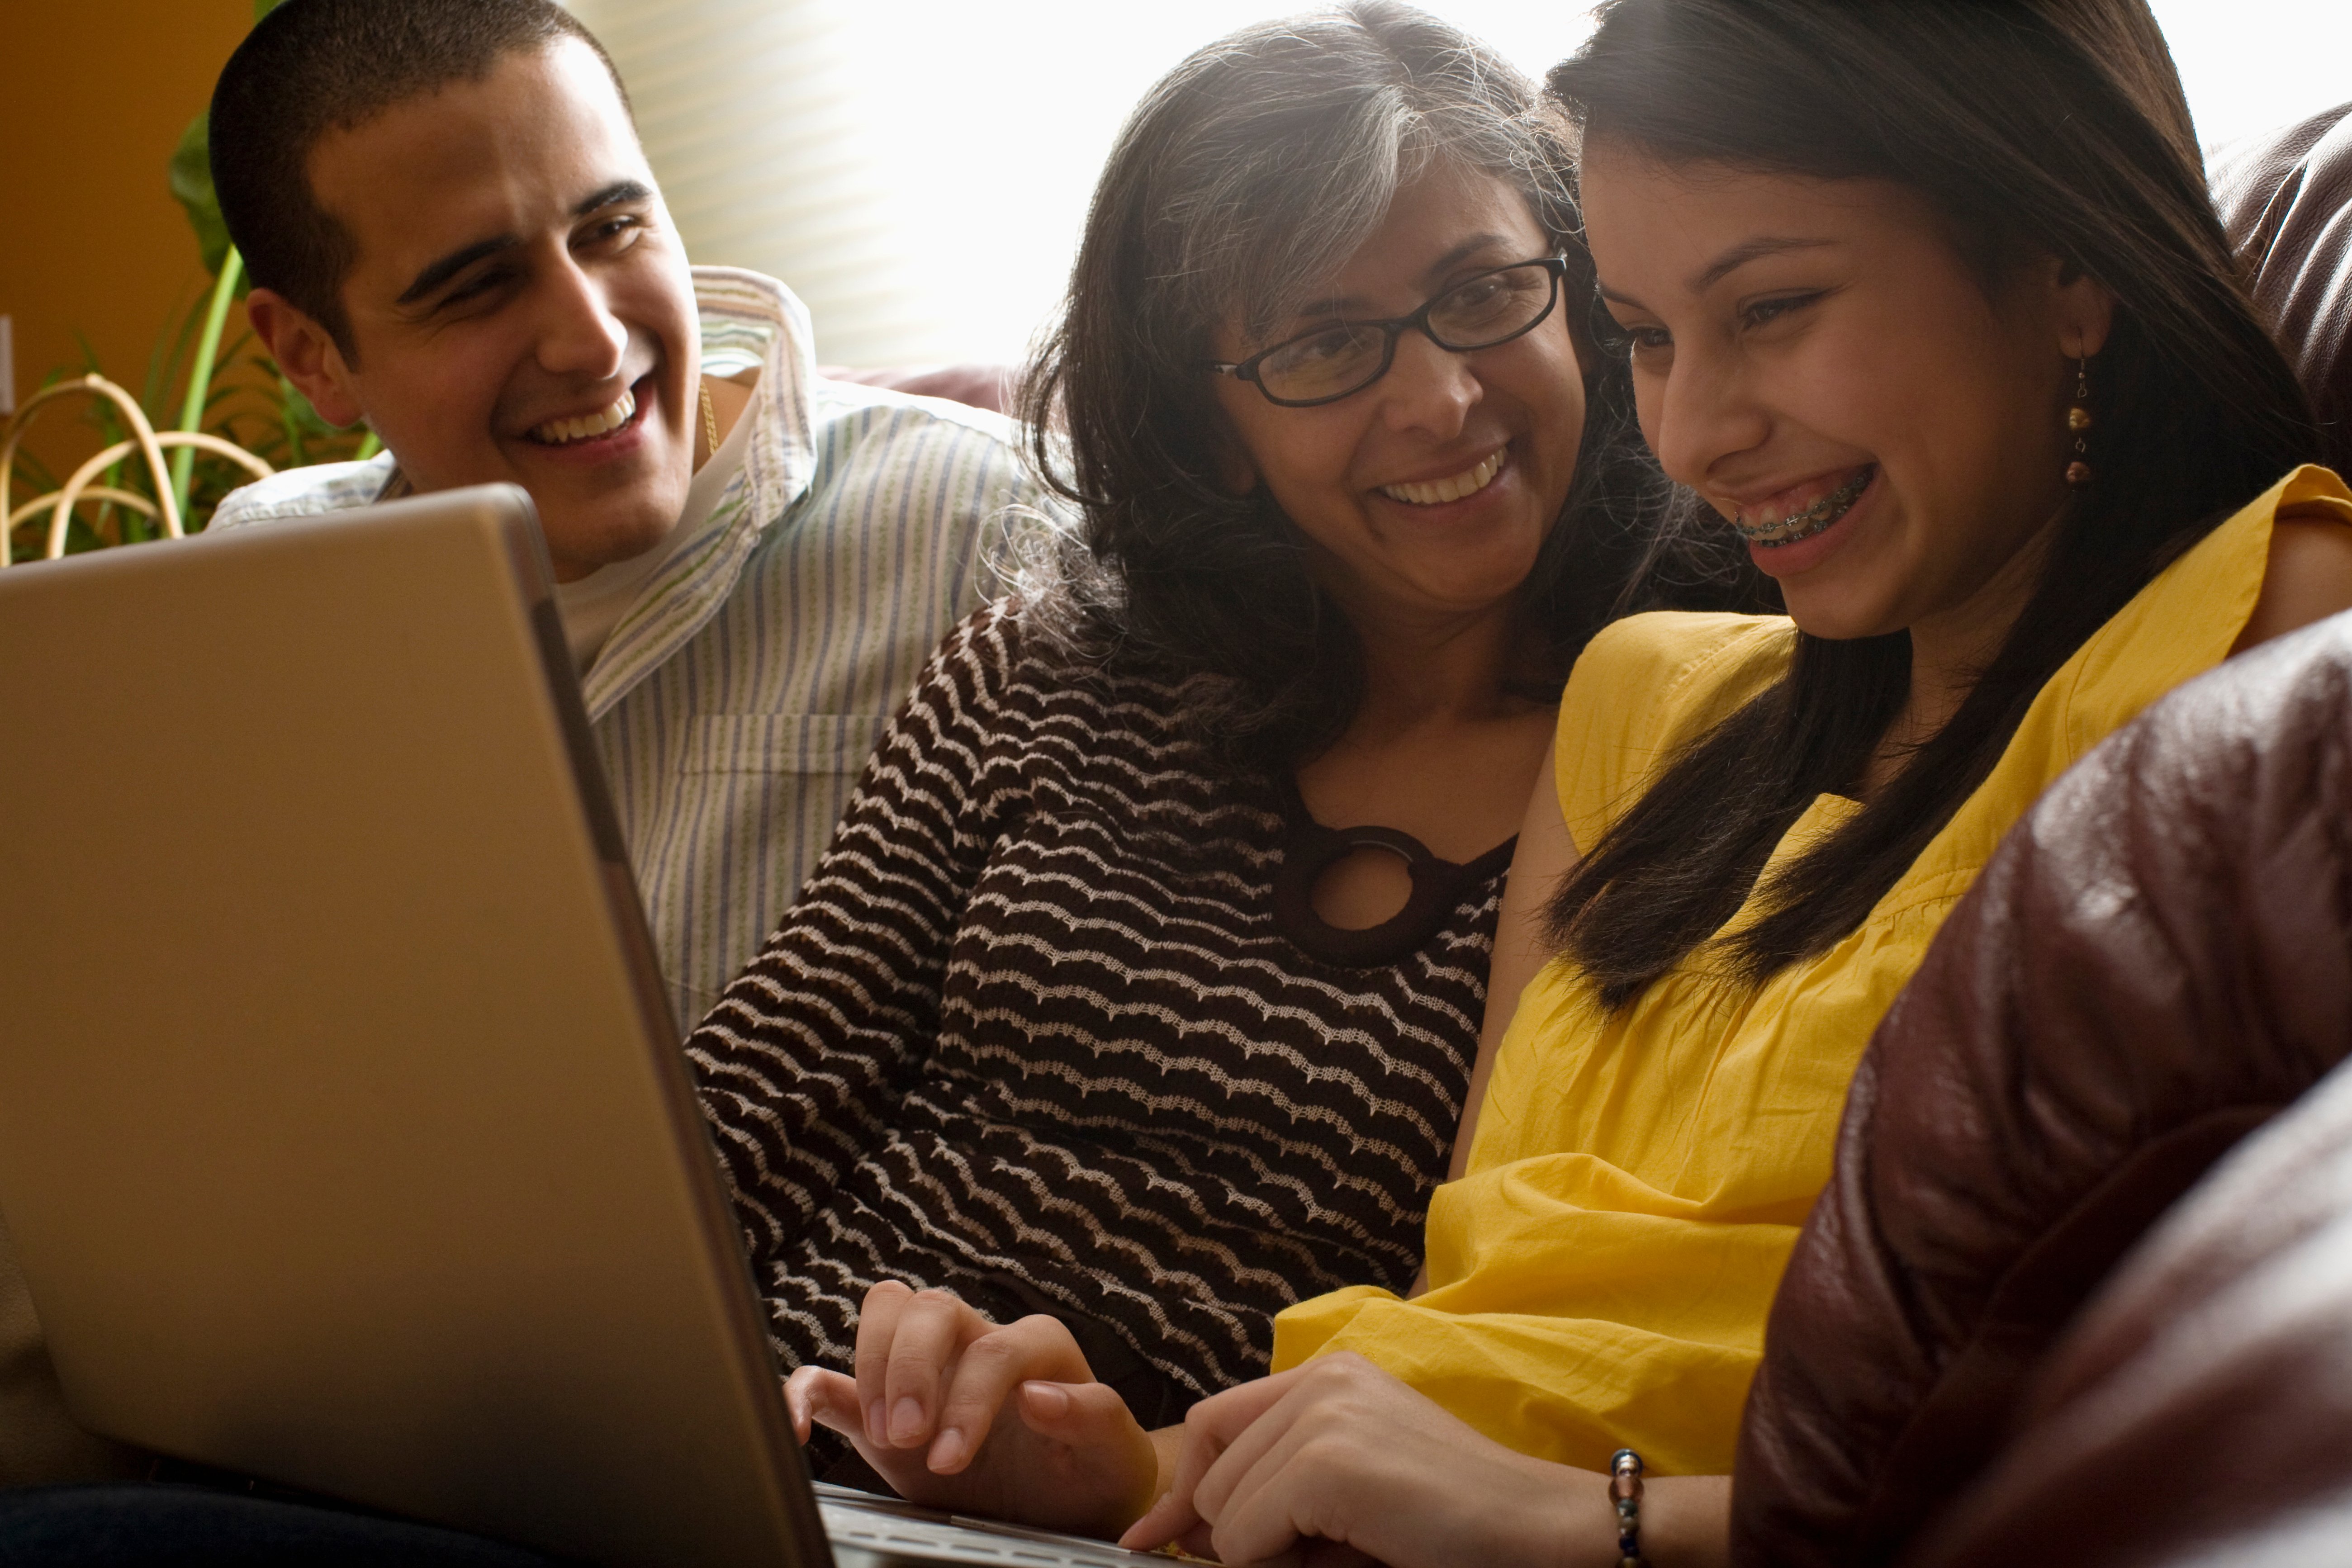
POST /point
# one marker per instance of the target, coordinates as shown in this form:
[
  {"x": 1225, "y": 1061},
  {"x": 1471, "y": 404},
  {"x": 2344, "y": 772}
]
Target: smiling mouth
[
  {"x": 1436, "y": 493},
  {"x": 1819, "y": 517},
  {"x": 587, "y": 427}
]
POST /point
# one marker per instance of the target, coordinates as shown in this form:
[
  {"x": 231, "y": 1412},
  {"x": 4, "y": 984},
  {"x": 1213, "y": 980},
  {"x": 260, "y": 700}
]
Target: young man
[{"x": 454, "y": 234}]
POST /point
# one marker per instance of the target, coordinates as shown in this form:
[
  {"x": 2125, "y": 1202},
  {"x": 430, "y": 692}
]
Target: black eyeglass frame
[{"x": 1247, "y": 370}]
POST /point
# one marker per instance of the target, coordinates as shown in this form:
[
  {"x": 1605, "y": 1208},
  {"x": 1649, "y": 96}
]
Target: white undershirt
[{"x": 593, "y": 606}]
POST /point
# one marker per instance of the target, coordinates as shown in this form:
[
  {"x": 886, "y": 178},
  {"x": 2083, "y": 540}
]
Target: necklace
[{"x": 709, "y": 419}]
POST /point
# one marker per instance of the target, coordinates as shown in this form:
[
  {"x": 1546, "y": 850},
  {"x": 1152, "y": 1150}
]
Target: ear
[
  {"x": 2085, "y": 311},
  {"x": 308, "y": 354}
]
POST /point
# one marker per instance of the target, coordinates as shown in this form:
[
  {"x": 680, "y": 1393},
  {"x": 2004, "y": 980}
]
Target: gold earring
[{"x": 2078, "y": 420}]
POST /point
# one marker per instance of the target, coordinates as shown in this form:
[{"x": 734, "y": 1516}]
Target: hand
[
  {"x": 927, "y": 1406},
  {"x": 1339, "y": 1453}
]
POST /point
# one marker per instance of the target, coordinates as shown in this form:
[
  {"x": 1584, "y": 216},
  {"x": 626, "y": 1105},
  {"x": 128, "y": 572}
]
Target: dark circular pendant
[{"x": 1312, "y": 850}]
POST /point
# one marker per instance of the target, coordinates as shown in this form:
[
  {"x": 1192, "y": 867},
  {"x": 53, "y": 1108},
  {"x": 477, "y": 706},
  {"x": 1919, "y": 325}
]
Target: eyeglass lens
[{"x": 1488, "y": 310}]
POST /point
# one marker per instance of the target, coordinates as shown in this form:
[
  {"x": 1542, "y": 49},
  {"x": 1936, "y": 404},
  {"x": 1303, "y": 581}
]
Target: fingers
[
  {"x": 815, "y": 1397},
  {"x": 1079, "y": 1414},
  {"x": 1248, "y": 1422},
  {"x": 931, "y": 1372},
  {"x": 1169, "y": 1520},
  {"x": 1108, "y": 1466},
  {"x": 1279, "y": 1497},
  {"x": 987, "y": 1371},
  {"x": 907, "y": 1341},
  {"x": 931, "y": 1333},
  {"x": 878, "y": 1321},
  {"x": 1278, "y": 1480},
  {"x": 1210, "y": 1427}
]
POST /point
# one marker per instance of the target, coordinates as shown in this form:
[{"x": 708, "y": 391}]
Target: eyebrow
[
  {"x": 1445, "y": 263},
  {"x": 436, "y": 273},
  {"x": 1745, "y": 251}
]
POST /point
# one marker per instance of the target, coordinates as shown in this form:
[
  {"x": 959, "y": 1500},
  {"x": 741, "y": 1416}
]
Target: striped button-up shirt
[{"x": 736, "y": 702}]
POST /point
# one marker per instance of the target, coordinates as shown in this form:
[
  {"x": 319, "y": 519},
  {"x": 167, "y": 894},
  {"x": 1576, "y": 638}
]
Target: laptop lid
[{"x": 344, "y": 1134}]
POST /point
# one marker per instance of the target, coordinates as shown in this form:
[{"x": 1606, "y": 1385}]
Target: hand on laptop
[
  {"x": 1338, "y": 1462},
  {"x": 928, "y": 1410}
]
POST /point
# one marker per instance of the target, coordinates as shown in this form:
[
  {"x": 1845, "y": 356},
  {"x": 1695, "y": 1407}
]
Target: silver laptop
[{"x": 344, "y": 1134}]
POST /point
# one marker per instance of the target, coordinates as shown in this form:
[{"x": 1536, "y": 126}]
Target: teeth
[
  {"x": 1470, "y": 482},
  {"x": 1807, "y": 521},
  {"x": 556, "y": 432}
]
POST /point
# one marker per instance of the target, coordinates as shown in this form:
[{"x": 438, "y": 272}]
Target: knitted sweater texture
[{"x": 1030, "y": 1033}]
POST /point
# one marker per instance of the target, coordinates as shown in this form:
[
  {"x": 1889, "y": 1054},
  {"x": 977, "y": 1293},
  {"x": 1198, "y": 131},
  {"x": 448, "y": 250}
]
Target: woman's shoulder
[
  {"x": 1019, "y": 679},
  {"x": 1021, "y": 641},
  {"x": 2308, "y": 573},
  {"x": 2277, "y": 563},
  {"x": 1670, "y": 672},
  {"x": 1676, "y": 647},
  {"x": 1647, "y": 685}
]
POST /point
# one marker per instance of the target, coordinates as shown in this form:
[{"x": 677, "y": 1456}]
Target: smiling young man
[{"x": 454, "y": 236}]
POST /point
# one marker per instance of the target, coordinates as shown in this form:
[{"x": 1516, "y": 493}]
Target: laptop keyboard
[{"x": 889, "y": 1529}]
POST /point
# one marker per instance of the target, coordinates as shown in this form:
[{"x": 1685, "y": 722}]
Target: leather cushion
[
  {"x": 995, "y": 387},
  {"x": 2201, "y": 1410},
  {"x": 2155, "y": 960},
  {"x": 2287, "y": 201}
]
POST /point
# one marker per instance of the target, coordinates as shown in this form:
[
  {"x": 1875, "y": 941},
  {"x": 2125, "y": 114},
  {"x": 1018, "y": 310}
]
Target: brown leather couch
[
  {"x": 995, "y": 387},
  {"x": 2287, "y": 201},
  {"x": 2201, "y": 1410},
  {"x": 2156, "y": 962}
]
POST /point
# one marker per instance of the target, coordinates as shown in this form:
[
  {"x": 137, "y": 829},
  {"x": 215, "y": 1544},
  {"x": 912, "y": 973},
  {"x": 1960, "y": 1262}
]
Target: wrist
[
  {"x": 1570, "y": 1522},
  {"x": 1566, "y": 1521},
  {"x": 1625, "y": 1468},
  {"x": 1686, "y": 1522}
]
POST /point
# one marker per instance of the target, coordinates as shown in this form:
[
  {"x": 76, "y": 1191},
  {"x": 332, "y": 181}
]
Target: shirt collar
[{"x": 747, "y": 319}]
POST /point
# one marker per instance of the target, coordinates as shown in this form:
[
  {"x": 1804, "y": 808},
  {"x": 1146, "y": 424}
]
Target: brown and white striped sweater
[{"x": 1030, "y": 1033}]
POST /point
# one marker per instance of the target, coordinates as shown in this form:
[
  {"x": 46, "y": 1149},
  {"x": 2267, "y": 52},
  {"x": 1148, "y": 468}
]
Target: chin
[{"x": 1841, "y": 621}]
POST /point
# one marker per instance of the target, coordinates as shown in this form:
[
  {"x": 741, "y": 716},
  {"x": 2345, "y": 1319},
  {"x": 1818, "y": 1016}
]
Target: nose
[
  {"x": 1697, "y": 412},
  {"x": 579, "y": 336},
  {"x": 1428, "y": 389}
]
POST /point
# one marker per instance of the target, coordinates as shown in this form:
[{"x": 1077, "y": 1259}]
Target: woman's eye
[
  {"x": 1764, "y": 313},
  {"x": 1645, "y": 342},
  {"x": 1323, "y": 347}
]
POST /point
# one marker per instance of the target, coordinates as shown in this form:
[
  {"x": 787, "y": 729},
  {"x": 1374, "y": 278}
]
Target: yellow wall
[{"x": 93, "y": 96}]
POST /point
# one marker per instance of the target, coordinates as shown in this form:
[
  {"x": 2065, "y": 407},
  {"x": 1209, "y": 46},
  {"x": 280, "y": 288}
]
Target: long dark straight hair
[
  {"x": 1245, "y": 177},
  {"x": 2027, "y": 142}
]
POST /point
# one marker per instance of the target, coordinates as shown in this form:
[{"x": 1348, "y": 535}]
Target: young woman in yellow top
[{"x": 1965, "y": 361}]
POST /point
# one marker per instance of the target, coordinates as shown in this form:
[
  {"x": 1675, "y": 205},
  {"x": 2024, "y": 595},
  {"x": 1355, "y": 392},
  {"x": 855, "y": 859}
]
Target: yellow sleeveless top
[{"x": 1599, "y": 1278}]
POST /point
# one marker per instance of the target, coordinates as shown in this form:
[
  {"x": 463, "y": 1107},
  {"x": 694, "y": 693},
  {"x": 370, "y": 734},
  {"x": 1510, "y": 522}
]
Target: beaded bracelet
[{"x": 1625, "y": 1489}]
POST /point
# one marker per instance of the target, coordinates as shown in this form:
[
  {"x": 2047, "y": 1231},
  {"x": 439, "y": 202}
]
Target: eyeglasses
[{"x": 1341, "y": 360}]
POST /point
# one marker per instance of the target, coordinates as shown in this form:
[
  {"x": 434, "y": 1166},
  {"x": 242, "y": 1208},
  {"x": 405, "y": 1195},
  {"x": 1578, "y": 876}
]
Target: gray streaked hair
[
  {"x": 1290, "y": 140},
  {"x": 1245, "y": 179}
]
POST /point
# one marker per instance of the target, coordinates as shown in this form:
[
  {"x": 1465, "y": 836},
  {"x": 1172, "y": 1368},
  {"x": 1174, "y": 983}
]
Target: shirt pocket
[{"x": 781, "y": 742}]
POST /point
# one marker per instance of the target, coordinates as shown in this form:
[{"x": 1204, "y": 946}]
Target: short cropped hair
[{"x": 312, "y": 67}]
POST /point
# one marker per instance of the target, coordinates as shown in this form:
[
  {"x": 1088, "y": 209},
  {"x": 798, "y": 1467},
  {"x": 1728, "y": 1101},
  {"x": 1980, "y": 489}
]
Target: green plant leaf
[{"x": 191, "y": 179}]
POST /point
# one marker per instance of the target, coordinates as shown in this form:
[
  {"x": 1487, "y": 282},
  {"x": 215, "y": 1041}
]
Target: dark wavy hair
[
  {"x": 1244, "y": 180},
  {"x": 2034, "y": 127}
]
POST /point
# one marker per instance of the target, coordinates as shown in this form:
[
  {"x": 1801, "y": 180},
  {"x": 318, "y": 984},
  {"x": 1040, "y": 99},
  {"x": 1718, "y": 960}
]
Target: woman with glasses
[
  {"x": 1962, "y": 362},
  {"x": 1137, "y": 996}
]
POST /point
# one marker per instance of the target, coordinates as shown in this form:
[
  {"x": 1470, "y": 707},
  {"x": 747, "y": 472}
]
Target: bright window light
[{"x": 918, "y": 171}]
